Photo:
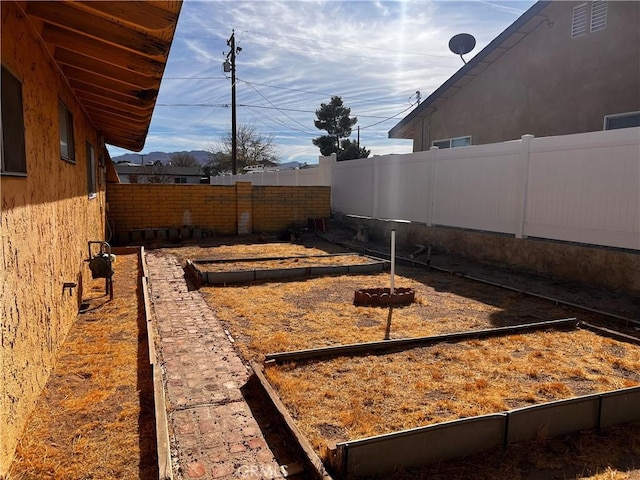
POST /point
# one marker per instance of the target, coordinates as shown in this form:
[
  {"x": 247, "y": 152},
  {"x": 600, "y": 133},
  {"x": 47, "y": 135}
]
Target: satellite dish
[{"x": 461, "y": 44}]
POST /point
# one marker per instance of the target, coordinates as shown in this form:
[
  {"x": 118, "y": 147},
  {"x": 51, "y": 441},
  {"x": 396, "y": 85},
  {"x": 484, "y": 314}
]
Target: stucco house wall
[
  {"x": 46, "y": 220},
  {"x": 546, "y": 83}
]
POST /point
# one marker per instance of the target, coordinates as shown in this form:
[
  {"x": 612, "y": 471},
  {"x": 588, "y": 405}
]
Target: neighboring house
[
  {"x": 130, "y": 173},
  {"x": 75, "y": 75},
  {"x": 561, "y": 68}
]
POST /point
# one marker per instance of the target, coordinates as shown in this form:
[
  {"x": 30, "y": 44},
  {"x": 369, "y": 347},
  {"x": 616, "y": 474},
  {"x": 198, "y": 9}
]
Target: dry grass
[
  {"x": 223, "y": 248},
  {"x": 365, "y": 396},
  {"x": 347, "y": 398},
  {"x": 280, "y": 316},
  {"x": 299, "y": 262},
  {"x": 94, "y": 418}
]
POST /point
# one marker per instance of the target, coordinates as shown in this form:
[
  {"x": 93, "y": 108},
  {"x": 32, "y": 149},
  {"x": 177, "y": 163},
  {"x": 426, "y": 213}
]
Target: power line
[
  {"x": 271, "y": 103},
  {"x": 389, "y": 118}
]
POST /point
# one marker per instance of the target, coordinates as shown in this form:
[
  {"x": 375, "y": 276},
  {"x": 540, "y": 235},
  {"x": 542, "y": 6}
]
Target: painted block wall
[
  {"x": 143, "y": 206},
  {"x": 275, "y": 208},
  {"x": 46, "y": 220},
  {"x": 227, "y": 210}
]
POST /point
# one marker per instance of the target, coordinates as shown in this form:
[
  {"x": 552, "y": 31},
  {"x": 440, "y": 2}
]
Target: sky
[{"x": 297, "y": 54}]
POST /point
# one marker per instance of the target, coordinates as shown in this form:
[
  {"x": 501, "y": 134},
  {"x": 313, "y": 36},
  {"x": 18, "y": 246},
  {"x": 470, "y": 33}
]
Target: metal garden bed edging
[
  {"x": 270, "y": 259},
  {"x": 163, "y": 446},
  {"x": 406, "y": 343},
  {"x": 418, "y": 447},
  {"x": 311, "y": 456},
  {"x": 200, "y": 277}
]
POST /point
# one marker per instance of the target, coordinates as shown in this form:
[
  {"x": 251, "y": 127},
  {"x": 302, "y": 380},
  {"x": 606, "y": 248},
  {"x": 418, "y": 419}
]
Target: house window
[
  {"x": 622, "y": 120},
  {"x": 91, "y": 171},
  {"x": 598, "y": 15},
  {"x": 585, "y": 19},
  {"x": 65, "y": 119},
  {"x": 14, "y": 161},
  {"x": 180, "y": 179},
  {"x": 452, "y": 142}
]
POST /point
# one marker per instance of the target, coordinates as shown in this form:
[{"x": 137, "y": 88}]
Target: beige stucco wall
[
  {"x": 46, "y": 220},
  {"x": 548, "y": 84}
]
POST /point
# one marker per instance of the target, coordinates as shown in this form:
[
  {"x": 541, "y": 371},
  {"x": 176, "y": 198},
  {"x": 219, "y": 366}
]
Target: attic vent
[
  {"x": 580, "y": 20},
  {"x": 598, "y": 15}
]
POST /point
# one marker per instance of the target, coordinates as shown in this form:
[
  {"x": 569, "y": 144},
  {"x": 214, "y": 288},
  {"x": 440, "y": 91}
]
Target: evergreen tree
[
  {"x": 334, "y": 118},
  {"x": 350, "y": 150}
]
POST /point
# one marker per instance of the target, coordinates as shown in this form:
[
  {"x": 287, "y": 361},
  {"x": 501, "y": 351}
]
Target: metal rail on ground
[{"x": 406, "y": 343}]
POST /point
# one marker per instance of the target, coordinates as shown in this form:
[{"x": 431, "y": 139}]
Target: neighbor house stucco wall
[
  {"x": 46, "y": 220},
  {"x": 547, "y": 84}
]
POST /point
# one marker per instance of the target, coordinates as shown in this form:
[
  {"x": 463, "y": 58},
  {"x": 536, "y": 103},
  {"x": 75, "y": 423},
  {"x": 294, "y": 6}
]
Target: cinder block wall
[
  {"x": 275, "y": 208},
  {"x": 227, "y": 210},
  {"x": 147, "y": 206},
  {"x": 598, "y": 266}
]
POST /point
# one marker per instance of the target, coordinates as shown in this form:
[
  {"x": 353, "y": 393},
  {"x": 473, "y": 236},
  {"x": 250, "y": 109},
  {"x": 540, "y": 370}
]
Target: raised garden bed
[
  {"x": 244, "y": 270},
  {"x": 369, "y": 415}
]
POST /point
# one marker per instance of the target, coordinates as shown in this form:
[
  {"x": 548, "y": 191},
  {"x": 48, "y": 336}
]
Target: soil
[{"x": 95, "y": 417}]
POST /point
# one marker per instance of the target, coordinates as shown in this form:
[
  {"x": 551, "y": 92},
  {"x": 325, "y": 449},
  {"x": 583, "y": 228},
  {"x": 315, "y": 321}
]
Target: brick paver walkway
[{"x": 214, "y": 432}]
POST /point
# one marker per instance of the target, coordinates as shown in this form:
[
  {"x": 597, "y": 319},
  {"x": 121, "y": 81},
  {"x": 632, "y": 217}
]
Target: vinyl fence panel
[
  {"x": 477, "y": 187},
  {"x": 586, "y": 188}
]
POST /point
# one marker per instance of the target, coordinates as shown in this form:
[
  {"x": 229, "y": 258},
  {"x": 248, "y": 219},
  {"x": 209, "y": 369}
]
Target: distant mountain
[{"x": 202, "y": 156}]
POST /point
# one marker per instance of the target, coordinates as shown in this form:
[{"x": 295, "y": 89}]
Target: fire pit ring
[{"x": 382, "y": 297}]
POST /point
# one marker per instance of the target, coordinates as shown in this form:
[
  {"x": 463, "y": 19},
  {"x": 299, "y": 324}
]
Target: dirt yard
[
  {"x": 349, "y": 398},
  {"x": 95, "y": 417}
]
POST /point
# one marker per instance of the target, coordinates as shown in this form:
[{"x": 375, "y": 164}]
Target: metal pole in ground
[{"x": 393, "y": 260}]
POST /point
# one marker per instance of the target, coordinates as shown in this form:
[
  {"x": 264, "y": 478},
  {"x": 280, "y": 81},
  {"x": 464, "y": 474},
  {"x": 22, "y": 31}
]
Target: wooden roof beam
[
  {"x": 107, "y": 53},
  {"x": 68, "y": 17}
]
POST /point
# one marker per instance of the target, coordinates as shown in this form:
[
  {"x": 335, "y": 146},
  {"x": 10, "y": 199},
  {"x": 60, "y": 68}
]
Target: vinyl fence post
[
  {"x": 525, "y": 154},
  {"x": 376, "y": 174},
  {"x": 431, "y": 185}
]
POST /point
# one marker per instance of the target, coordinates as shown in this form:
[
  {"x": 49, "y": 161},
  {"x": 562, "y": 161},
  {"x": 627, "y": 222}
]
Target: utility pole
[{"x": 230, "y": 65}]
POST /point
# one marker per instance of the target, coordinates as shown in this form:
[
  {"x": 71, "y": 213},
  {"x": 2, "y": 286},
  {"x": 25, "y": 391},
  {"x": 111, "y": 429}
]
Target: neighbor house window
[
  {"x": 65, "y": 119},
  {"x": 13, "y": 154},
  {"x": 180, "y": 179},
  {"x": 91, "y": 171},
  {"x": 622, "y": 120},
  {"x": 452, "y": 142}
]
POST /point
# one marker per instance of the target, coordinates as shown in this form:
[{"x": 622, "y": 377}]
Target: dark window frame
[
  {"x": 92, "y": 187},
  {"x": 13, "y": 155},
  {"x": 66, "y": 117}
]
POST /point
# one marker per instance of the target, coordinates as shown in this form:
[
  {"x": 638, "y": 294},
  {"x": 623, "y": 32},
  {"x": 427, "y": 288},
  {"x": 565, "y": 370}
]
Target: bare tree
[
  {"x": 184, "y": 159},
  {"x": 254, "y": 148}
]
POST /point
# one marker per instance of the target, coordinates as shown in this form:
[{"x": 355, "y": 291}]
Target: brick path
[{"x": 214, "y": 432}]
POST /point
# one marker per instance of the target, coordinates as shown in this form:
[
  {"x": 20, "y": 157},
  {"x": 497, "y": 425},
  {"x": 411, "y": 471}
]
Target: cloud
[{"x": 296, "y": 54}]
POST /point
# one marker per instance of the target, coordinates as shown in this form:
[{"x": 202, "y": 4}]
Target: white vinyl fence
[
  {"x": 297, "y": 178},
  {"x": 581, "y": 188}
]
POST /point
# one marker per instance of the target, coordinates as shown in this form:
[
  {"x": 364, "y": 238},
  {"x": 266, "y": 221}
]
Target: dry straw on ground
[
  {"x": 95, "y": 416},
  {"x": 347, "y": 398}
]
